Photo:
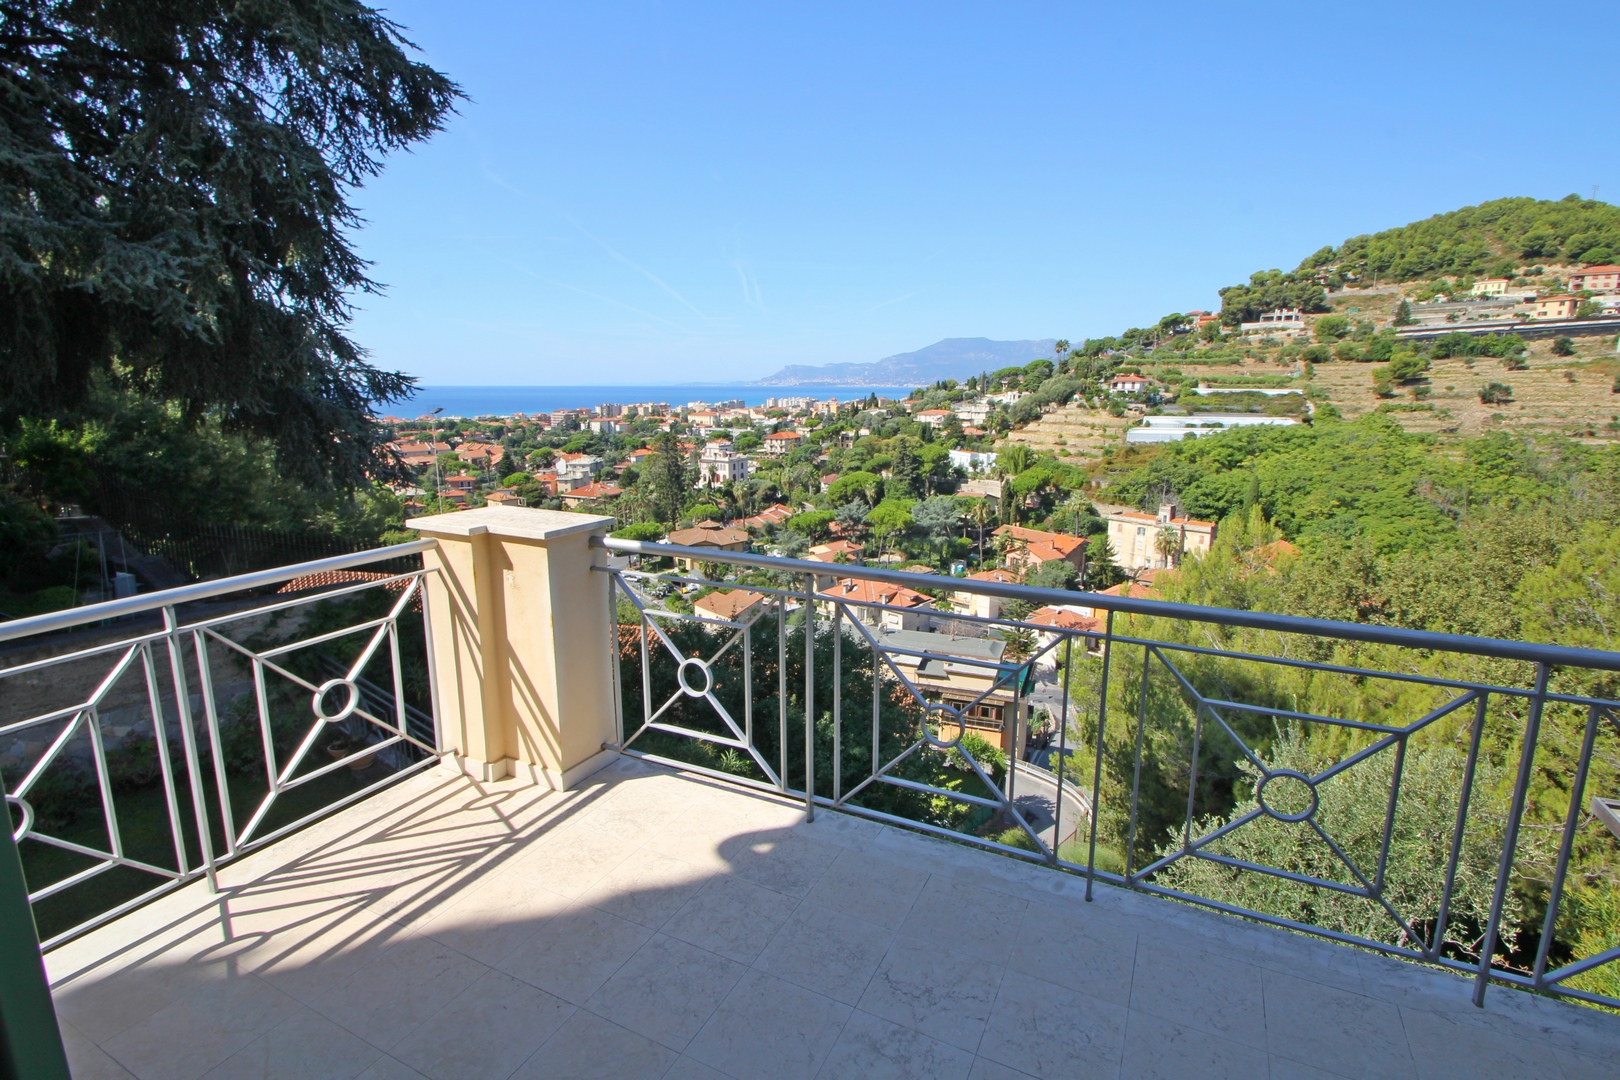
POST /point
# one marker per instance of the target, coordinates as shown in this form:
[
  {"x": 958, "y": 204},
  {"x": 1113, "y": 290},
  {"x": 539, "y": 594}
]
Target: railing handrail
[
  {"x": 1530, "y": 652},
  {"x": 202, "y": 590}
]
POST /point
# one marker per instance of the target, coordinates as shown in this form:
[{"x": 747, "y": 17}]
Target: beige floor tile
[
  {"x": 305, "y": 1045},
  {"x": 320, "y": 946},
  {"x": 1199, "y": 989},
  {"x": 1328, "y": 1027},
  {"x": 572, "y": 954},
  {"x": 985, "y": 1069},
  {"x": 493, "y": 919},
  {"x": 1442, "y": 1047},
  {"x": 191, "y": 1036},
  {"x": 1059, "y": 946},
  {"x": 86, "y": 1060},
  {"x": 666, "y": 990},
  {"x": 647, "y": 888},
  {"x": 103, "y": 1003},
  {"x": 768, "y": 1029},
  {"x": 872, "y": 1048},
  {"x": 1052, "y": 1032},
  {"x": 570, "y": 860},
  {"x": 869, "y": 888},
  {"x": 731, "y": 917},
  {"x": 588, "y": 1047},
  {"x": 1576, "y": 1066},
  {"x": 489, "y": 1029},
  {"x": 1157, "y": 1049},
  {"x": 826, "y": 951},
  {"x": 940, "y": 992},
  {"x": 687, "y": 1069},
  {"x": 784, "y": 861},
  {"x": 957, "y": 914},
  {"x": 386, "y": 1068},
  {"x": 1283, "y": 1068},
  {"x": 386, "y": 999}
]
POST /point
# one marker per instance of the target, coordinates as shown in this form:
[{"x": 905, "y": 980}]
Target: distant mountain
[{"x": 952, "y": 358}]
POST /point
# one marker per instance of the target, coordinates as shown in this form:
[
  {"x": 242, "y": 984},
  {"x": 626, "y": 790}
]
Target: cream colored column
[{"x": 521, "y": 643}]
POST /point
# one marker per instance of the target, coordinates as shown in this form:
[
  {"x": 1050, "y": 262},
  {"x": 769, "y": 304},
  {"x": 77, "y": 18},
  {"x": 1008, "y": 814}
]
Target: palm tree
[
  {"x": 1168, "y": 545},
  {"x": 981, "y": 517}
]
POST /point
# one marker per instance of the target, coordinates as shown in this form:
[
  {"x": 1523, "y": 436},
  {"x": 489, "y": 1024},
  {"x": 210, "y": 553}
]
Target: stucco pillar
[{"x": 520, "y": 640}]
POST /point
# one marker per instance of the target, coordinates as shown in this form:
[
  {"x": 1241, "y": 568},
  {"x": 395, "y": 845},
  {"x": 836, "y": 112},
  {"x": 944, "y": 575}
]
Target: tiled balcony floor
[{"x": 655, "y": 925}]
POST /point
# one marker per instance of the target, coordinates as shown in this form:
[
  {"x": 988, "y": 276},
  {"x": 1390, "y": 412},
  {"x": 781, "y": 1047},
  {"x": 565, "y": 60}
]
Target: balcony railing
[
  {"x": 155, "y": 738},
  {"x": 1422, "y": 795},
  {"x": 1202, "y": 724}
]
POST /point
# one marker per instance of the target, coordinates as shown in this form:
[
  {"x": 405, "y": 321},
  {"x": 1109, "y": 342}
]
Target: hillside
[
  {"x": 1494, "y": 239},
  {"x": 952, "y": 358}
]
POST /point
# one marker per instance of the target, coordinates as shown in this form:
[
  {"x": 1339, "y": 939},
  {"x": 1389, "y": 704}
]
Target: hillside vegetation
[{"x": 1493, "y": 239}]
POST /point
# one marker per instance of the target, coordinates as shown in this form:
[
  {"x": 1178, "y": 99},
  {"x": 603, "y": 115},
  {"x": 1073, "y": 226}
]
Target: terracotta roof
[
  {"x": 727, "y": 605},
  {"x": 1152, "y": 519},
  {"x": 1002, "y": 577},
  {"x": 771, "y": 515},
  {"x": 708, "y": 534},
  {"x": 1064, "y": 619},
  {"x": 861, "y": 591},
  {"x": 1059, "y": 543},
  {"x": 500, "y": 497},
  {"x": 1138, "y": 592},
  {"x": 785, "y": 435},
  {"x": 594, "y": 491},
  {"x": 1604, "y": 268}
]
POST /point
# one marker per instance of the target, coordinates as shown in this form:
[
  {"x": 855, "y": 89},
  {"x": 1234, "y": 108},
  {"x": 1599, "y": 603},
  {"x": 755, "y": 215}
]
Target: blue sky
[{"x": 670, "y": 192}]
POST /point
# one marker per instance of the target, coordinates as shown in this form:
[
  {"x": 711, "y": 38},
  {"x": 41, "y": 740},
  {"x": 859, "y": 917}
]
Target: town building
[
  {"x": 707, "y": 534},
  {"x": 1065, "y": 621},
  {"x": 1605, "y": 278},
  {"x": 1129, "y": 384},
  {"x": 978, "y": 604},
  {"x": 503, "y": 498},
  {"x": 1028, "y": 550},
  {"x": 1557, "y": 307},
  {"x": 1496, "y": 286},
  {"x": 719, "y": 469},
  {"x": 733, "y": 605},
  {"x": 1279, "y": 321},
  {"x": 890, "y": 607},
  {"x": 966, "y": 673},
  {"x": 774, "y": 514},
  {"x": 591, "y": 492},
  {"x": 782, "y": 443},
  {"x": 480, "y": 455},
  {"x": 1157, "y": 541},
  {"x": 973, "y": 461},
  {"x": 576, "y": 467},
  {"x": 932, "y": 417}
]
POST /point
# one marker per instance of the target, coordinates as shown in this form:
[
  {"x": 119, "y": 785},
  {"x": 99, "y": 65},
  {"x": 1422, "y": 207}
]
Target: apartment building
[{"x": 1157, "y": 541}]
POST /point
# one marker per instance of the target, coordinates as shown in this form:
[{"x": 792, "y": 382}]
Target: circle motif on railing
[
  {"x": 27, "y": 817},
  {"x": 1287, "y": 795},
  {"x": 946, "y": 715},
  {"x": 690, "y": 663},
  {"x": 348, "y": 706}
]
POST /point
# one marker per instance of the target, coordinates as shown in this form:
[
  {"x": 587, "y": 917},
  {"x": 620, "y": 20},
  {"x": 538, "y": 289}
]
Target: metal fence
[
  {"x": 149, "y": 740},
  {"x": 1424, "y": 795}
]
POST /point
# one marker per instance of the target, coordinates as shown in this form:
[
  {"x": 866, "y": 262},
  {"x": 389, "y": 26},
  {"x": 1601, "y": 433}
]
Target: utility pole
[{"x": 433, "y": 446}]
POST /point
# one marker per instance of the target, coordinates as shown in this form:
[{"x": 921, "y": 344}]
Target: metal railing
[
  {"x": 1424, "y": 795},
  {"x": 280, "y": 707}
]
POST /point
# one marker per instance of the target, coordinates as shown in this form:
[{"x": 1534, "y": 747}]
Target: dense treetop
[
  {"x": 173, "y": 210},
  {"x": 1493, "y": 239}
]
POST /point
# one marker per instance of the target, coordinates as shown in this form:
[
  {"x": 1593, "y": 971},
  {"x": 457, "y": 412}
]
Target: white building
[
  {"x": 1280, "y": 321},
  {"x": 973, "y": 461},
  {"x": 718, "y": 470},
  {"x": 1162, "y": 429}
]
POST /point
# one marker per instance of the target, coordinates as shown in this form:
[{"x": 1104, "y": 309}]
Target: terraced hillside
[
  {"x": 1564, "y": 395},
  {"x": 1073, "y": 431}
]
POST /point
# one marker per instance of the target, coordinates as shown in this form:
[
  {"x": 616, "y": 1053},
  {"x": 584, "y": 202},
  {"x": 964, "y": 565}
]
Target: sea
[{"x": 506, "y": 400}]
